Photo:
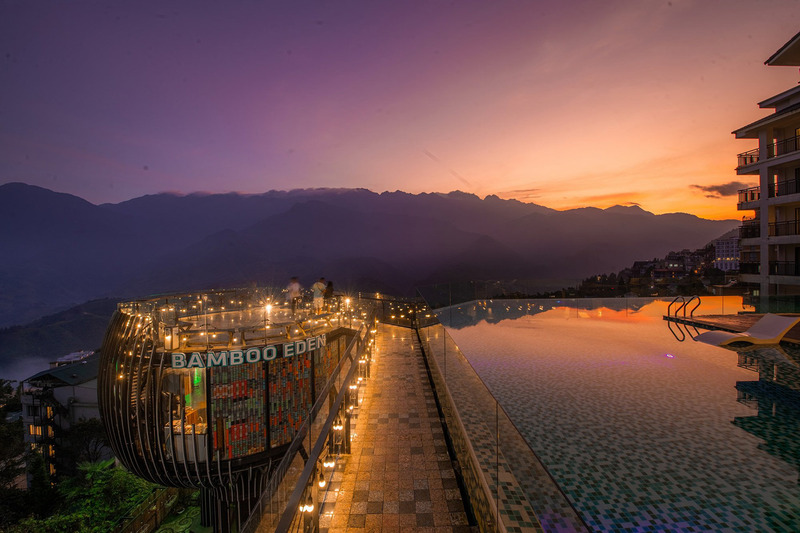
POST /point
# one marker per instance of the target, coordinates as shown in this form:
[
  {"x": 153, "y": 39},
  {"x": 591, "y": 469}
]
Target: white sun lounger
[{"x": 769, "y": 329}]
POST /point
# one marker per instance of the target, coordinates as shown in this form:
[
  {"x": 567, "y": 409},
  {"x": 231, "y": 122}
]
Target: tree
[
  {"x": 12, "y": 443},
  {"x": 42, "y": 496},
  {"x": 92, "y": 501},
  {"x": 84, "y": 442}
]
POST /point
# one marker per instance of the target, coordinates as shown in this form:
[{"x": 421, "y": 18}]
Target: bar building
[
  {"x": 770, "y": 236},
  {"x": 207, "y": 390}
]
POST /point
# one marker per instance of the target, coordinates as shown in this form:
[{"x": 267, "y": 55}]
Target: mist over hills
[{"x": 59, "y": 250}]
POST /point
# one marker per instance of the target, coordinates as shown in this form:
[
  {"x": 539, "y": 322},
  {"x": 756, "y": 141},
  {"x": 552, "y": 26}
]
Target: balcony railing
[
  {"x": 752, "y": 194},
  {"x": 747, "y": 158},
  {"x": 784, "y": 146},
  {"x": 784, "y": 268},
  {"x": 750, "y": 230},
  {"x": 774, "y": 149},
  {"x": 787, "y": 227},
  {"x": 782, "y": 188},
  {"x": 749, "y": 268}
]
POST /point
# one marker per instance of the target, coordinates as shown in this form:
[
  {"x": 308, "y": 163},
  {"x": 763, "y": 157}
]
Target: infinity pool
[{"x": 643, "y": 432}]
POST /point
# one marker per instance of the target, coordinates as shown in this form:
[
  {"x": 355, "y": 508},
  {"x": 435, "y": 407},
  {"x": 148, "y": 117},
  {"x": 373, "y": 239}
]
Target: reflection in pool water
[{"x": 642, "y": 432}]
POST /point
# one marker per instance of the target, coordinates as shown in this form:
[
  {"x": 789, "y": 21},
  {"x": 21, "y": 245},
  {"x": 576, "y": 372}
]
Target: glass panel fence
[{"x": 508, "y": 487}]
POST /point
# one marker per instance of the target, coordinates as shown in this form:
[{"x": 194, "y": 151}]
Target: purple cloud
[{"x": 721, "y": 190}]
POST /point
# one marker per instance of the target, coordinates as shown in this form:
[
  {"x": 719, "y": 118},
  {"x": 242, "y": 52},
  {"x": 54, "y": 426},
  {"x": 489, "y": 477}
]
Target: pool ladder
[{"x": 684, "y": 305}]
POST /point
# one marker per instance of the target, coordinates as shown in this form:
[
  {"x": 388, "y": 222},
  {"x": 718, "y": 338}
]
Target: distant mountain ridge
[{"x": 60, "y": 250}]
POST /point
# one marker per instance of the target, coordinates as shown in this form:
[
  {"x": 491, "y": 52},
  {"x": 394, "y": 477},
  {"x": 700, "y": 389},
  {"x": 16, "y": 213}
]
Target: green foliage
[
  {"x": 42, "y": 496},
  {"x": 13, "y": 505},
  {"x": 9, "y": 399},
  {"x": 84, "y": 442},
  {"x": 12, "y": 449},
  {"x": 92, "y": 501}
]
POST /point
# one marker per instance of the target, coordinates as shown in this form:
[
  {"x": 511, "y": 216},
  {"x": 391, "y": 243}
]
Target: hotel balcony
[
  {"x": 749, "y": 268},
  {"x": 784, "y": 268},
  {"x": 748, "y": 159},
  {"x": 748, "y": 198},
  {"x": 750, "y": 229},
  {"x": 787, "y": 227},
  {"x": 784, "y": 188}
]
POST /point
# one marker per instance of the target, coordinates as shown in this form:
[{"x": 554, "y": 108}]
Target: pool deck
[
  {"x": 733, "y": 323},
  {"x": 398, "y": 476}
]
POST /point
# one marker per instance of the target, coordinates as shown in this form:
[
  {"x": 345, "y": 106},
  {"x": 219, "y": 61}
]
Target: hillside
[{"x": 66, "y": 251}]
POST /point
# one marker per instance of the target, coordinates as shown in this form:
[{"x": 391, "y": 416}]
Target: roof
[
  {"x": 72, "y": 374},
  {"x": 751, "y": 129},
  {"x": 773, "y": 101},
  {"x": 787, "y": 55}
]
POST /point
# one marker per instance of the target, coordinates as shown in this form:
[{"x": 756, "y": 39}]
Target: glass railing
[
  {"x": 509, "y": 488},
  {"x": 403, "y": 312},
  {"x": 236, "y": 316},
  {"x": 445, "y": 294},
  {"x": 774, "y": 304}
]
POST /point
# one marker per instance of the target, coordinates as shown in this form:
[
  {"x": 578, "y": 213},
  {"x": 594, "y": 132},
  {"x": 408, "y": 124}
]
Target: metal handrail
[
  {"x": 678, "y": 325},
  {"x": 297, "y": 443},
  {"x": 691, "y": 313},
  {"x": 684, "y": 305},
  {"x": 750, "y": 194},
  {"x": 773, "y": 149},
  {"x": 747, "y": 158},
  {"x": 669, "y": 307},
  {"x": 785, "y": 227},
  {"x": 292, "y": 505}
]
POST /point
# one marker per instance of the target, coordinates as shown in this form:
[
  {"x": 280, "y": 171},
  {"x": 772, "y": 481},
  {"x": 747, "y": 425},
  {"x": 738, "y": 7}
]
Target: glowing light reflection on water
[{"x": 642, "y": 432}]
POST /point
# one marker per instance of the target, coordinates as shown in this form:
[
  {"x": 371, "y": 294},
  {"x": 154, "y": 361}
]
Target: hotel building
[
  {"x": 770, "y": 236},
  {"x": 53, "y": 402}
]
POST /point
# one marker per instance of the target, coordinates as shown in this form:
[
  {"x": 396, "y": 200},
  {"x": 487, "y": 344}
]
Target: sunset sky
[{"x": 565, "y": 104}]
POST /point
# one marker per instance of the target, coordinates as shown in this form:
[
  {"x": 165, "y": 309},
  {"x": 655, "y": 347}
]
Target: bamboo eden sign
[{"x": 249, "y": 355}]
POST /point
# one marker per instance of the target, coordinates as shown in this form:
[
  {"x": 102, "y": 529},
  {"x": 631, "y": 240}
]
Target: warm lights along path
[{"x": 398, "y": 475}]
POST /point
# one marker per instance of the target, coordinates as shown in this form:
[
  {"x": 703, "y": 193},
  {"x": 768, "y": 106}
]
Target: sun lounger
[{"x": 769, "y": 329}]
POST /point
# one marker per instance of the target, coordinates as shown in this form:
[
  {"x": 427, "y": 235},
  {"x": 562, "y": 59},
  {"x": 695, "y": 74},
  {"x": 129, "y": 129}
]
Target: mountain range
[{"x": 59, "y": 250}]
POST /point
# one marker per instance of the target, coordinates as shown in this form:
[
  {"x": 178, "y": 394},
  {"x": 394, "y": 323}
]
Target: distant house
[
  {"x": 56, "y": 399},
  {"x": 668, "y": 273},
  {"x": 642, "y": 269}
]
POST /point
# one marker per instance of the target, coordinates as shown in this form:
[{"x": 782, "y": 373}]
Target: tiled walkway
[{"x": 399, "y": 476}]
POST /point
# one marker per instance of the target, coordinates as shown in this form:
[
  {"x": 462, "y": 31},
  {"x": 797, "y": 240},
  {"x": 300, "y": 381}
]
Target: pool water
[{"x": 643, "y": 432}]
